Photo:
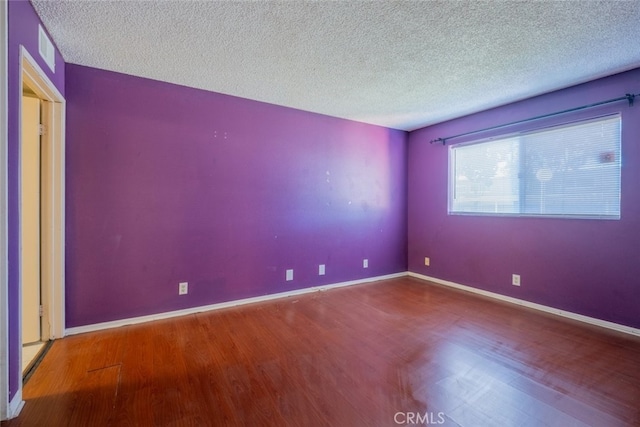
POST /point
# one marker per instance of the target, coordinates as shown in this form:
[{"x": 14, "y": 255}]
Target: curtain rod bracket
[
  {"x": 630, "y": 97},
  {"x": 443, "y": 140}
]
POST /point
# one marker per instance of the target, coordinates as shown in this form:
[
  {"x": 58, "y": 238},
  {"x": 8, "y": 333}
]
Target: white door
[{"x": 30, "y": 219}]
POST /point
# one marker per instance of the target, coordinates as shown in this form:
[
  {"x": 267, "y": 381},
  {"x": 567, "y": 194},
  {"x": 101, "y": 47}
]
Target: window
[{"x": 568, "y": 171}]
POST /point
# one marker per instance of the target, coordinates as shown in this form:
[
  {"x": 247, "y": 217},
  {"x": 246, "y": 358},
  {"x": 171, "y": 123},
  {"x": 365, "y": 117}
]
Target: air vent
[{"x": 47, "y": 51}]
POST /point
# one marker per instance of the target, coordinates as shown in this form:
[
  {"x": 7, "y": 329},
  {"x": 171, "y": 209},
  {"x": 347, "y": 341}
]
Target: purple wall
[
  {"x": 23, "y": 30},
  {"x": 168, "y": 184},
  {"x": 590, "y": 267}
]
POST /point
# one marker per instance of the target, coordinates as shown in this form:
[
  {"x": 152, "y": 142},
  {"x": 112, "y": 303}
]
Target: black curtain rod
[{"x": 628, "y": 97}]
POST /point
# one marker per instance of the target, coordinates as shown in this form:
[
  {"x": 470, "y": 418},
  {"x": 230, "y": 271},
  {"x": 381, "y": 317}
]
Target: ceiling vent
[{"x": 47, "y": 51}]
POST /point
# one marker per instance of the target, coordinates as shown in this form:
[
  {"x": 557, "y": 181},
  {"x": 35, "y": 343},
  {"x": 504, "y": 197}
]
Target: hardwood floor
[{"x": 396, "y": 352}]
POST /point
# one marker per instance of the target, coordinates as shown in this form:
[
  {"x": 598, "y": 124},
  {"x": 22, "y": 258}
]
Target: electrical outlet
[
  {"x": 365, "y": 263},
  {"x": 427, "y": 261},
  {"x": 289, "y": 275},
  {"x": 321, "y": 270},
  {"x": 183, "y": 288},
  {"x": 515, "y": 279}
]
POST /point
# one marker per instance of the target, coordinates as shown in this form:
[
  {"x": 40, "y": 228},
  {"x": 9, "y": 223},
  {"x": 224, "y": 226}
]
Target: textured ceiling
[{"x": 398, "y": 64}]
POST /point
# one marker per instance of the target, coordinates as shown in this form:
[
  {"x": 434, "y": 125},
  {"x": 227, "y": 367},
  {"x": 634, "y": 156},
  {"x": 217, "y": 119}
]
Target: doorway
[
  {"x": 30, "y": 223},
  {"x": 41, "y": 305}
]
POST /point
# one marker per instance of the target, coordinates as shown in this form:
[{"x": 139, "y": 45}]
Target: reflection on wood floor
[{"x": 395, "y": 352}]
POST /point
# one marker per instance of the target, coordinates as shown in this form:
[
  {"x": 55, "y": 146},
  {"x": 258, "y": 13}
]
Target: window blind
[{"x": 571, "y": 170}]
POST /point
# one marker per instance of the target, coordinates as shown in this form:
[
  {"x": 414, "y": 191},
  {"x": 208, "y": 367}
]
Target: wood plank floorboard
[{"x": 394, "y": 352}]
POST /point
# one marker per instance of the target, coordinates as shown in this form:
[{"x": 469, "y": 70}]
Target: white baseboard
[
  {"x": 16, "y": 405},
  {"x": 166, "y": 315},
  {"x": 533, "y": 305},
  {"x": 218, "y": 306}
]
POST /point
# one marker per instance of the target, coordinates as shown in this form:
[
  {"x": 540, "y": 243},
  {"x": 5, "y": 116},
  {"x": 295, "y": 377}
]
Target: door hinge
[
  {"x": 41, "y": 130},
  {"x": 40, "y": 311}
]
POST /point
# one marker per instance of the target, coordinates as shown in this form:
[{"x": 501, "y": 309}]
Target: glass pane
[
  {"x": 573, "y": 170},
  {"x": 486, "y": 177}
]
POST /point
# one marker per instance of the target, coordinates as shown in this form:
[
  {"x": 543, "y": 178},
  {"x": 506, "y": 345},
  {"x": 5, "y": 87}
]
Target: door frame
[{"x": 53, "y": 194}]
